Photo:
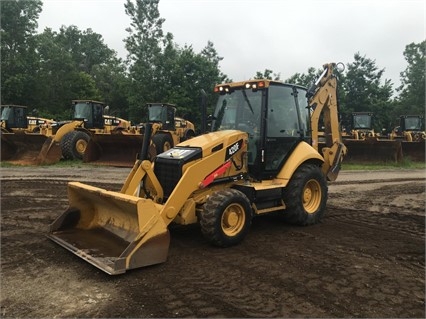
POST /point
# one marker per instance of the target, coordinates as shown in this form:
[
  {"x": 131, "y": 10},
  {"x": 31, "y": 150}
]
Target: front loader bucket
[
  {"x": 50, "y": 152},
  {"x": 113, "y": 149},
  {"x": 373, "y": 150},
  {"x": 112, "y": 231},
  {"x": 415, "y": 151},
  {"x": 21, "y": 148}
]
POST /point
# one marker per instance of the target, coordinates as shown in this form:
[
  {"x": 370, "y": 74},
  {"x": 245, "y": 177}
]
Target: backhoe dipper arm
[{"x": 323, "y": 100}]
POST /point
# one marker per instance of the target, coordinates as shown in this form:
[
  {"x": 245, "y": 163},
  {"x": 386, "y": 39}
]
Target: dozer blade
[
  {"x": 50, "y": 152},
  {"x": 112, "y": 231},
  {"x": 373, "y": 150},
  {"x": 415, "y": 151},
  {"x": 21, "y": 148},
  {"x": 113, "y": 149}
]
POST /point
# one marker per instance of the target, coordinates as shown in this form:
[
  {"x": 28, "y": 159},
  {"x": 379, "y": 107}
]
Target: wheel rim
[
  {"x": 81, "y": 146},
  {"x": 312, "y": 196},
  {"x": 233, "y": 219}
]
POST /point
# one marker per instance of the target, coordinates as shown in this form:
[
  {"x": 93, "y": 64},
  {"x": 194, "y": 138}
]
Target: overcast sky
[{"x": 253, "y": 35}]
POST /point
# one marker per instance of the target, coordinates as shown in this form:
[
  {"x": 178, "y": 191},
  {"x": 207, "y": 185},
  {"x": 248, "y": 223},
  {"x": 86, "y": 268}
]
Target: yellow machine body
[{"x": 208, "y": 179}]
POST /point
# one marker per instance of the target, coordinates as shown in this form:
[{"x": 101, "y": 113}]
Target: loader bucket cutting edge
[
  {"x": 50, "y": 152},
  {"x": 112, "y": 231}
]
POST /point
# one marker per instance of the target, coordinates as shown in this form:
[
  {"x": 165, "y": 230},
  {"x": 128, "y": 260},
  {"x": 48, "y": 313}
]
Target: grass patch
[{"x": 405, "y": 164}]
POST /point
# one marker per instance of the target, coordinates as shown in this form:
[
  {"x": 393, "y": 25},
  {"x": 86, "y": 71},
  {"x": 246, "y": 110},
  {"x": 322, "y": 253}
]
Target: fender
[{"x": 303, "y": 153}]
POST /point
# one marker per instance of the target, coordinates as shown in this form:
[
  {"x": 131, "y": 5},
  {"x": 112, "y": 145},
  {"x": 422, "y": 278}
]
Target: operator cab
[
  {"x": 162, "y": 113},
  {"x": 91, "y": 112},
  {"x": 412, "y": 123},
  {"x": 14, "y": 116},
  {"x": 275, "y": 116}
]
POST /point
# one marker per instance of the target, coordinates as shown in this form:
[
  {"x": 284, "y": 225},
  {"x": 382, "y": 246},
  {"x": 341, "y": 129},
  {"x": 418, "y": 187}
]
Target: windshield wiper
[{"x": 247, "y": 100}]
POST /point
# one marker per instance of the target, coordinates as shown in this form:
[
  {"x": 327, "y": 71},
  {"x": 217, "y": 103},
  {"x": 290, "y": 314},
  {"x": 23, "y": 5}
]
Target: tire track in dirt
[{"x": 359, "y": 262}]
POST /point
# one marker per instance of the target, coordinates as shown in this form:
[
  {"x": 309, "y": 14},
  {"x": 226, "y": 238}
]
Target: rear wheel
[
  {"x": 305, "y": 196},
  {"x": 226, "y": 217},
  {"x": 74, "y": 144},
  {"x": 162, "y": 142}
]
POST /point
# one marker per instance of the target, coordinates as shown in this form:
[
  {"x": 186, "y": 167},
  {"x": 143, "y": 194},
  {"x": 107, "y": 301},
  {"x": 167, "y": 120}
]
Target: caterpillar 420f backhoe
[{"x": 261, "y": 157}]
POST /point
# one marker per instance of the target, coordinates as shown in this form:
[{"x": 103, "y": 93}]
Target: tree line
[{"x": 45, "y": 71}]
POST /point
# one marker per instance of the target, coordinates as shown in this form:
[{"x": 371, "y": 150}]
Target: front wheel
[
  {"x": 162, "y": 142},
  {"x": 226, "y": 217},
  {"x": 305, "y": 196},
  {"x": 74, "y": 144}
]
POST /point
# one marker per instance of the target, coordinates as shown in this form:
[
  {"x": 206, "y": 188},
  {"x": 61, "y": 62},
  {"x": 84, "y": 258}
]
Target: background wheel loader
[
  {"x": 71, "y": 140},
  {"x": 411, "y": 134},
  {"x": 366, "y": 145},
  {"x": 260, "y": 157},
  {"x": 22, "y": 136},
  {"x": 167, "y": 131}
]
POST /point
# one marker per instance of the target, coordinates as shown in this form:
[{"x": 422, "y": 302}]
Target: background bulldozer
[
  {"x": 366, "y": 145},
  {"x": 411, "y": 134},
  {"x": 261, "y": 157},
  {"x": 167, "y": 131},
  {"x": 89, "y": 121},
  {"x": 22, "y": 136}
]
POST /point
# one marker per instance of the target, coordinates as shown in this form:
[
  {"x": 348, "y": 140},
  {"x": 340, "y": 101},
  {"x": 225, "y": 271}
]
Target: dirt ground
[{"x": 366, "y": 259}]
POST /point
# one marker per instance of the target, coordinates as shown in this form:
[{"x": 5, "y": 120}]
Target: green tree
[
  {"x": 77, "y": 64},
  {"x": 59, "y": 79},
  {"x": 145, "y": 45},
  {"x": 267, "y": 74},
  {"x": 160, "y": 70},
  {"x": 412, "y": 90},
  {"x": 305, "y": 79},
  {"x": 18, "y": 58},
  {"x": 366, "y": 91},
  {"x": 192, "y": 72}
]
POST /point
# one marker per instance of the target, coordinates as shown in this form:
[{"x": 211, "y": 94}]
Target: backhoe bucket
[
  {"x": 21, "y": 148},
  {"x": 113, "y": 149},
  {"x": 50, "y": 152},
  {"x": 112, "y": 231},
  {"x": 373, "y": 150},
  {"x": 415, "y": 151}
]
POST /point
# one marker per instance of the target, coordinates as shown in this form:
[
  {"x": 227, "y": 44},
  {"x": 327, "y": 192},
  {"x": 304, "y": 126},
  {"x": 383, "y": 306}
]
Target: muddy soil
[{"x": 366, "y": 258}]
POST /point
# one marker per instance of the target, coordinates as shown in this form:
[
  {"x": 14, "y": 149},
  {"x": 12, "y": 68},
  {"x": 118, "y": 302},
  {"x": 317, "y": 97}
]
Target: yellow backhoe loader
[
  {"x": 70, "y": 141},
  {"x": 411, "y": 134},
  {"x": 366, "y": 145},
  {"x": 22, "y": 136},
  {"x": 260, "y": 157},
  {"x": 167, "y": 131}
]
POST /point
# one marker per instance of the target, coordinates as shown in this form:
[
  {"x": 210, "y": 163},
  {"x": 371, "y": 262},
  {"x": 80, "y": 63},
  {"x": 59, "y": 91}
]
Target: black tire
[
  {"x": 74, "y": 144},
  {"x": 305, "y": 196},
  {"x": 162, "y": 142},
  {"x": 226, "y": 217},
  {"x": 189, "y": 133}
]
